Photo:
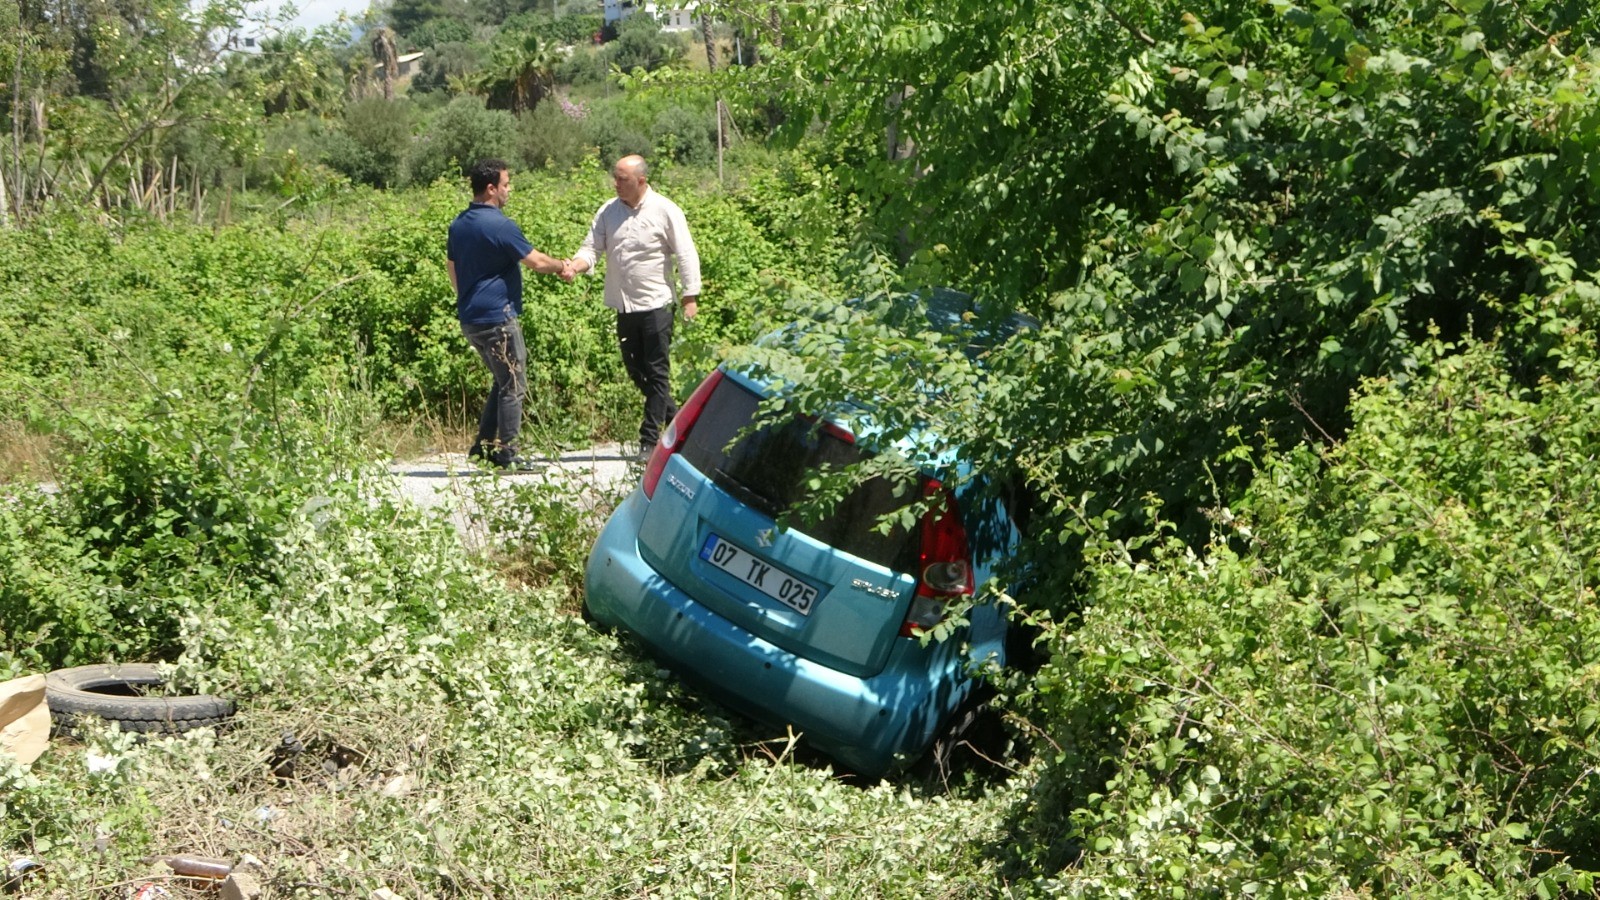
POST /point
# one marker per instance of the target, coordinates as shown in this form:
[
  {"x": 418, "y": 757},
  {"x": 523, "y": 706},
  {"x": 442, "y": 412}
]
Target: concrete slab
[{"x": 591, "y": 478}]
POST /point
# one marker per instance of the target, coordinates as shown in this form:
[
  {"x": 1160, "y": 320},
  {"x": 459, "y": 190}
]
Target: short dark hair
[{"x": 486, "y": 174}]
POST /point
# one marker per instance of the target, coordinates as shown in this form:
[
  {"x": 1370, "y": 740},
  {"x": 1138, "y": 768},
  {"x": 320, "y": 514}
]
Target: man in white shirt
[{"x": 641, "y": 234}]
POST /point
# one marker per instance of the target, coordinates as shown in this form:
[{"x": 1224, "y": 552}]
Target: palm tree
[
  {"x": 383, "y": 51},
  {"x": 520, "y": 73},
  {"x": 296, "y": 73}
]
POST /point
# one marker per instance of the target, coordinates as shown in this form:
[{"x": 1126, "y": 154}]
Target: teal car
[{"x": 817, "y": 625}]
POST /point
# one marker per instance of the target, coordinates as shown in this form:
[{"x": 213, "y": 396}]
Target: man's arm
[
  {"x": 594, "y": 243},
  {"x": 539, "y": 262},
  {"x": 682, "y": 244},
  {"x": 688, "y": 261},
  {"x": 450, "y": 266}
]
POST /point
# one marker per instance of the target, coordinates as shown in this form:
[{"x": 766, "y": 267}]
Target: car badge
[
  {"x": 870, "y": 588},
  {"x": 764, "y": 537}
]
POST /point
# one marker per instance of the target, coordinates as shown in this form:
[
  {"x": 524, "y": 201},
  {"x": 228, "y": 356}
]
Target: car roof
[{"x": 984, "y": 326}]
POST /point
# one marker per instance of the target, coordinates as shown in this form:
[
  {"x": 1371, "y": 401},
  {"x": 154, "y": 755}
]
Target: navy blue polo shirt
[{"x": 487, "y": 249}]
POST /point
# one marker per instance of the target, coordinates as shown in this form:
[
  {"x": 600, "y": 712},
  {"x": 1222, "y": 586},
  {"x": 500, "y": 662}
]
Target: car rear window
[{"x": 767, "y": 470}]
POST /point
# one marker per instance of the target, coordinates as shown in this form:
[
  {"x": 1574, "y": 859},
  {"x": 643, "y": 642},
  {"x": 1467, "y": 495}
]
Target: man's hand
[
  {"x": 690, "y": 307},
  {"x": 567, "y": 272}
]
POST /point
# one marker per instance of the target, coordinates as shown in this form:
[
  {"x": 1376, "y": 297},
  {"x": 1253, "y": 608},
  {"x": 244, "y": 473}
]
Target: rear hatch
[{"x": 834, "y": 588}]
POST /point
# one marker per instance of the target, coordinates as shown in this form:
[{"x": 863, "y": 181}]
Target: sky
[
  {"x": 313, "y": 13},
  {"x": 321, "y": 12}
]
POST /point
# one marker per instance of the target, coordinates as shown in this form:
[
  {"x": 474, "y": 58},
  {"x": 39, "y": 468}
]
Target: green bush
[
  {"x": 459, "y": 135},
  {"x": 177, "y": 506},
  {"x": 563, "y": 30},
  {"x": 611, "y": 130},
  {"x": 54, "y": 610},
  {"x": 686, "y": 135},
  {"x": 373, "y": 143},
  {"x": 431, "y": 35},
  {"x": 641, "y": 44},
  {"x": 584, "y": 68},
  {"x": 553, "y": 136},
  {"x": 1379, "y": 678},
  {"x": 287, "y": 141},
  {"x": 453, "y": 59}
]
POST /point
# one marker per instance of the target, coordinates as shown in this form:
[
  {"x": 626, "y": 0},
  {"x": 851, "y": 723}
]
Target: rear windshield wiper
[{"x": 748, "y": 497}]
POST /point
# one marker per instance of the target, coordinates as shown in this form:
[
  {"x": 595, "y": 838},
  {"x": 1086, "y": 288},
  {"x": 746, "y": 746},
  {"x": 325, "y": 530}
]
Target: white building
[{"x": 674, "y": 17}]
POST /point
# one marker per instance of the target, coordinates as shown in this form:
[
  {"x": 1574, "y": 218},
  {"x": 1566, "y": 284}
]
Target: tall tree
[
  {"x": 387, "y": 59},
  {"x": 293, "y": 72}
]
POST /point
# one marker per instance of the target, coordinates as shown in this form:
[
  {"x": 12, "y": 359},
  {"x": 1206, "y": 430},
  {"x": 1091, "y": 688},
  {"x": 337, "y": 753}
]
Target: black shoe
[
  {"x": 478, "y": 453},
  {"x": 509, "y": 462}
]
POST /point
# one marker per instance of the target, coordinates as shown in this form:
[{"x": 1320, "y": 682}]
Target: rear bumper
[{"x": 870, "y": 724}]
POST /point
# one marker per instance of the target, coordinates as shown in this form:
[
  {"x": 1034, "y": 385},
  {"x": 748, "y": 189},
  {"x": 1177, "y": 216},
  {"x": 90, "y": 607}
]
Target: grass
[
  {"x": 503, "y": 749},
  {"x": 24, "y": 455},
  {"x": 439, "y": 723}
]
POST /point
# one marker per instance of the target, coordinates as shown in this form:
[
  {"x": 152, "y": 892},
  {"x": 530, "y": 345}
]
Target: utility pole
[{"x": 711, "y": 66}]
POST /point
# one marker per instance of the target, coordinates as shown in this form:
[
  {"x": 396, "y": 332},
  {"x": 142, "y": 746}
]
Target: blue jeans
[{"x": 502, "y": 350}]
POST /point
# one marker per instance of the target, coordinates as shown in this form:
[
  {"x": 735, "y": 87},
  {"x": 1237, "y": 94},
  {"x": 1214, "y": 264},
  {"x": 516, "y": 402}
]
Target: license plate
[{"x": 764, "y": 577}]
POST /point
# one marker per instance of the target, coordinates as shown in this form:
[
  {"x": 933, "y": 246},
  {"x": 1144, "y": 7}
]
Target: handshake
[{"x": 569, "y": 270}]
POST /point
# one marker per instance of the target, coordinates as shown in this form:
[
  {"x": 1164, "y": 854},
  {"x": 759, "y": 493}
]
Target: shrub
[
  {"x": 686, "y": 135},
  {"x": 370, "y": 148},
  {"x": 584, "y": 67},
  {"x": 568, "y": 29},
  {"x": 552, "y": 137},
  {"x": 460, "y": 135},
  {"x": 1379, "y": 678},
  {"x": 169, "y": 508},
  {"x": 610, "y": 131},
  {"x": 641, "y": 44},
  {"x": 436, "y": 32},
  {"x": 288, "y": 141},
  {"x": 453, "y": 59}
]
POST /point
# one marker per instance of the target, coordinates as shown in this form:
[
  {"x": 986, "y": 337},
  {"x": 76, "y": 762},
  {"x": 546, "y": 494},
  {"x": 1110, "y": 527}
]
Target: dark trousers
[
  {"x": 645, "y": 338},
  {"x": 502, "y": 350}
]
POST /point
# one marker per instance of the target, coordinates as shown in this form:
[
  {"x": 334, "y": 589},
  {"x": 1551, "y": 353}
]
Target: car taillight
[
  {"x": 944, "y": 569},
  {"x": 677, "y": 432}
]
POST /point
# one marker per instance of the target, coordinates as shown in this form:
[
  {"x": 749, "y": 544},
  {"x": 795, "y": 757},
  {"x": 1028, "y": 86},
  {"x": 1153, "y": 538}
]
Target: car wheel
[
  {"x": 975, "y": 740},
  {"x": 116, "y": 693}
]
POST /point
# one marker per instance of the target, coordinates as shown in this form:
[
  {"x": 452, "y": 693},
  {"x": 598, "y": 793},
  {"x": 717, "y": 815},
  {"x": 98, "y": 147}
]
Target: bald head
[{"x": 630, "y": 176}]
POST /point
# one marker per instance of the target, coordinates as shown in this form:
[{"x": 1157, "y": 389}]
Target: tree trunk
[
  {"x": 711, "y": 45},
  {"x": 383, "y": 50}
]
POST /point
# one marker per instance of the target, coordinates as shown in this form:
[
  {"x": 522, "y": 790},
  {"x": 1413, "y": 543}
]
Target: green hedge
[
  {"x": 1380, "y": 678},
  {"x": 355, "y": 293}
]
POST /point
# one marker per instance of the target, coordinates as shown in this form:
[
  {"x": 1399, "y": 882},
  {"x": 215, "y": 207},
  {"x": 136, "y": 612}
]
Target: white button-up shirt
[{"x": 639, "y": 246}]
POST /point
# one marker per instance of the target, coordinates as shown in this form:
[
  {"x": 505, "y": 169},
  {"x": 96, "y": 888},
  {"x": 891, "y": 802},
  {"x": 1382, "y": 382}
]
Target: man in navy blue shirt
[{"x": 484, "y": 255}]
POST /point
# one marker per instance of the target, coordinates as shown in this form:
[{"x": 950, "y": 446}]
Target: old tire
[{"x": 116, "y": 693}]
